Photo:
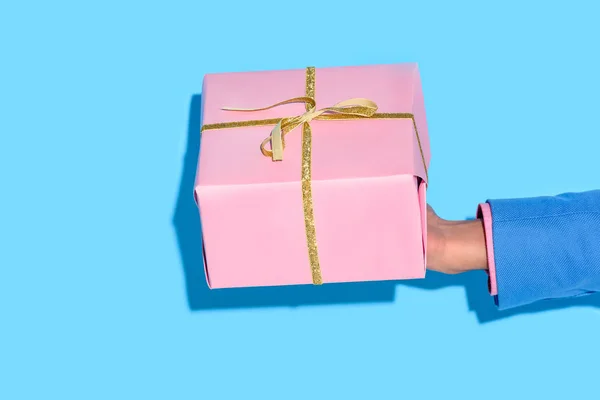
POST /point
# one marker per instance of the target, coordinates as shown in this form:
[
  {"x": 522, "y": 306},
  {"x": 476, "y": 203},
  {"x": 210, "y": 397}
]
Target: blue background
[{"x": 102, "y": 294}]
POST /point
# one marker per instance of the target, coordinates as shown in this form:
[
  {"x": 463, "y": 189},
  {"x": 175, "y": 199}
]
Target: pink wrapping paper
[{"x": 368, "y": 180}]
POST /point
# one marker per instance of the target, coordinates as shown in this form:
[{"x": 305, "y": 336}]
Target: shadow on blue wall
[
  {"x": 482, "y": 304},
  {"x": 188, "y": 230}
]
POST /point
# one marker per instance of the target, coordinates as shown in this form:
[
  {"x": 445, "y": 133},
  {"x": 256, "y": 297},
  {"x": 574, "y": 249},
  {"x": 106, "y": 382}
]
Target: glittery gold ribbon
[
  {"x": 361, "y": 108},
  {"x": 345, "y": 110}
]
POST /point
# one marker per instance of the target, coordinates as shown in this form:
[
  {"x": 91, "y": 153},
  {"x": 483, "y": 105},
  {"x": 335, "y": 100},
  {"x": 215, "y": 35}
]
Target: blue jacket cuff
[{"x": 546, "y": 247}]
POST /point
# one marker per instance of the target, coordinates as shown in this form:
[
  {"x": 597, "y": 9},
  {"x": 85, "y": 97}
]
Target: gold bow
[
  {"x": 362, "y": 108},
  {"x": 348, "y": 109}
]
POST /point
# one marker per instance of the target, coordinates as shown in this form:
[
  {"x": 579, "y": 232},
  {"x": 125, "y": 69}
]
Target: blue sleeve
[{"x": 546, "y": 247}]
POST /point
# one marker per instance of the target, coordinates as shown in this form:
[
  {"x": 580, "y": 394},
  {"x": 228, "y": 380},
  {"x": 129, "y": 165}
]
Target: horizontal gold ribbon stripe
[
  {"x": 274, "y": 121},
  {"x": 239, "y": 124}
]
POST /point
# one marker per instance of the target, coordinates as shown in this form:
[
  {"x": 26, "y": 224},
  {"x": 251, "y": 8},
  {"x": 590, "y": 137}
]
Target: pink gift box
[{"x": 367, "y": 187}]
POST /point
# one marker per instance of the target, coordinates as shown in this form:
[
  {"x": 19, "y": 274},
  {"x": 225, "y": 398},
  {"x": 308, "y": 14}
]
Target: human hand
[{"x": 454, "y": 246}]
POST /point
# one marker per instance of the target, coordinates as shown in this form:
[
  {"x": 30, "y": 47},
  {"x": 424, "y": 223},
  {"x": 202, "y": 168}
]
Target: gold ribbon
[
  {"x": 362, "y": 108},
  {"x": 345, "y": 110}
]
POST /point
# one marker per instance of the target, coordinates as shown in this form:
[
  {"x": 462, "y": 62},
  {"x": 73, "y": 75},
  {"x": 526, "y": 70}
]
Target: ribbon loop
[
  {"x": 358, "y": 107},
  {"x": 306, "y": 100}
]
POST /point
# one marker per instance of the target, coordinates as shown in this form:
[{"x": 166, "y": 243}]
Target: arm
[{"x": 533, "y": 248}]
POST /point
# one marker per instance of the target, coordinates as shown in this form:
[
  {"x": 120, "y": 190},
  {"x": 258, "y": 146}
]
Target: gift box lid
[{"x": 350, "y": 149}]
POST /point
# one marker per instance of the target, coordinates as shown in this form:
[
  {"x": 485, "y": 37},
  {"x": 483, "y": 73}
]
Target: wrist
[{"x": 464, "y": 246}]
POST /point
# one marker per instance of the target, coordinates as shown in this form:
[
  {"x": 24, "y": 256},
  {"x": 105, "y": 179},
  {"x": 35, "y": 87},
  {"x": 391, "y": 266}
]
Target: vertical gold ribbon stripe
[{"x": 307, "y": 202}]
